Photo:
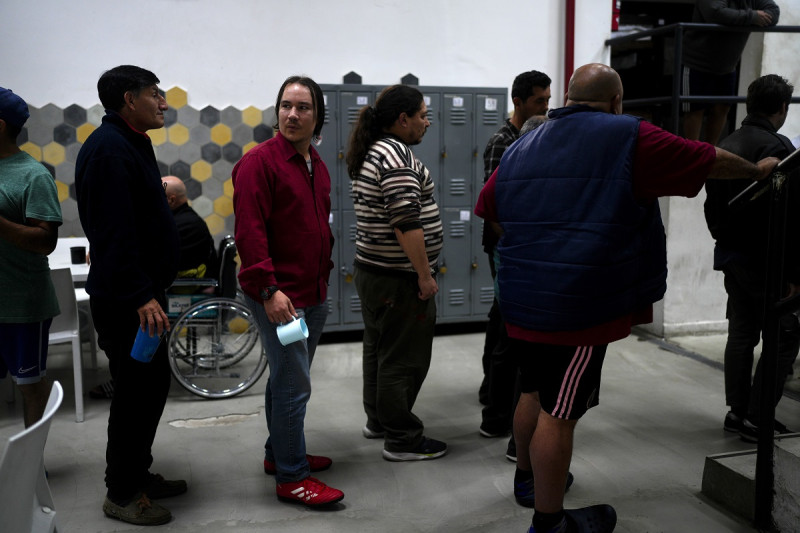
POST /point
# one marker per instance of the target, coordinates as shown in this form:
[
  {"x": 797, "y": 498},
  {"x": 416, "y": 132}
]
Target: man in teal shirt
[{"x": 29, "y": 218}]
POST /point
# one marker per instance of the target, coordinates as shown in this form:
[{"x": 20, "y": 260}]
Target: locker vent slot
[
  {"x": 458, "y": 116},
  {"x": 457, "y": 297},
  {"x": 487, "y": 295},
  {"x": 355, "y": 305},
  {"x": 458, "y": 187},
  {"x": 458, "y": 229}
]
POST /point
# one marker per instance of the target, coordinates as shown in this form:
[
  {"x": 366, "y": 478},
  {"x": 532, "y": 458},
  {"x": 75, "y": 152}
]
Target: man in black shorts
[{"x": 582, "y": 258}]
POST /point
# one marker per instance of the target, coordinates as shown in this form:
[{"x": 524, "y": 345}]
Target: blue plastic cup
[{"x": 144, "y": 347}]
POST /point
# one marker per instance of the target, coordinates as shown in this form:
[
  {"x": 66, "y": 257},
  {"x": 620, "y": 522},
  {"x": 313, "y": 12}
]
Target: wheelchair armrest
[{"x": 195, "y": 282}]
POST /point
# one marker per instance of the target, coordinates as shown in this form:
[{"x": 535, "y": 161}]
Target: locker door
[
  {"x": 328, "y": 149},
  {"x": 455, "y": 264},
  {"x": 351, "y": 304},
  {"x": 490, "y": 113},
  {"x": 350, "y": 104},
  {"x": 334, "y": 283},
  {"x": 481, "y": 282},
  {"x": 429, "y": 151},
  {"x": 457, "y": 150}
]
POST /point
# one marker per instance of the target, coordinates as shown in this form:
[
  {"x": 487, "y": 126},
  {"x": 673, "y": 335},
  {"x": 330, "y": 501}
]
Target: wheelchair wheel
[{"x": 215, "y": 349}]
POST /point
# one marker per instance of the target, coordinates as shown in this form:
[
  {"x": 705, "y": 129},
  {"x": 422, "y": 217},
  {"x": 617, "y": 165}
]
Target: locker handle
[
  {"x": 443, "y": 268},
  {"x": 348, "y": 276}
]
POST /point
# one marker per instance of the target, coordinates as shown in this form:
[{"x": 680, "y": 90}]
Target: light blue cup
[{"x": 293, "y": 331}]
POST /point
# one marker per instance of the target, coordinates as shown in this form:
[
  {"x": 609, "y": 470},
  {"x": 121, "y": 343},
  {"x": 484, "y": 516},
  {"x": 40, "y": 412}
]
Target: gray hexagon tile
[
  {"x": 212, "y": 188},
  {"x": 189, "y": 152},
  {"x": 64, "y": 134},
  {"x": 65, "y": 172},
  {"x": 200, "y": 134},
  {"x": 69, "y": 210},
  {"x": 95, "y": 114},
  {"x": 167, "y": 152},
  {"x": 188, "y": 116},
  {"x": 193, "y": 188},
  {"x": 203, "y": 206},
  {"x": 74, "y": 115},
  {"x": 170, "y": 117},
  {"x": 180, "y": 169},
  {"x": 209, "y": 116},
  {"x": 222, "y": 170},
  {"x": 231, "y": 116},
  {"x": 242, "y": 134},
  {"x": 232, "y": 152}
]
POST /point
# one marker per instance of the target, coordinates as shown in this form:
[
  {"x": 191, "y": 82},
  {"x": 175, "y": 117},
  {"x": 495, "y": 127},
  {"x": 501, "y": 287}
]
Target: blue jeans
[{"x": 288, "y": 390}]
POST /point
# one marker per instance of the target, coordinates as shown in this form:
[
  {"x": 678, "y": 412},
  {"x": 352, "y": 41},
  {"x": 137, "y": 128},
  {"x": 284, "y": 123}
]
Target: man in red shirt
[
  {"x": 538, "y": 201},
  {"x": 281, "y": 198}
]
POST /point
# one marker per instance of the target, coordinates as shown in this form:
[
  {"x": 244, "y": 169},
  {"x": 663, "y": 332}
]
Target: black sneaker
[
  {"x": 492, "y": 432},
  {"x": 428, "y": 449},
  {"x": 594, "y": 519},
  {"x": 733, "y": 422}
]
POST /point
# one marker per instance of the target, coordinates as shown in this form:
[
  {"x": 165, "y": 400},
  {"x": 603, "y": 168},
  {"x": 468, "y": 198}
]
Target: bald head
[
  {"x": 597, "y": 86},
  {"x": 175, "y": 191}
]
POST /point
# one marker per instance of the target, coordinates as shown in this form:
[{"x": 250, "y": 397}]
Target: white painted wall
[{"x": 238, "y": 52}]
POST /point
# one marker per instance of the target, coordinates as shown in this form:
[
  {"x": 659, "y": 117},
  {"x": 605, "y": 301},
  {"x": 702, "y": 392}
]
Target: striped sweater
[{"x": 393, "y": 189}]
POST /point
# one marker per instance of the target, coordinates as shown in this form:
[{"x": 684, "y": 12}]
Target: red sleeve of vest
[{"x": 667, "y": 165}]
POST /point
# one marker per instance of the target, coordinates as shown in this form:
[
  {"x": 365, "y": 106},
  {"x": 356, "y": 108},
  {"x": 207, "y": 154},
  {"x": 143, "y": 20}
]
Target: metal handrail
[{"x": 677, "y": 29}]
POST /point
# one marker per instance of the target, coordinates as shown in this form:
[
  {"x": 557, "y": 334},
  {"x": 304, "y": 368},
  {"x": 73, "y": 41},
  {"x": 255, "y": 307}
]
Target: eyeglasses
[{"x": 164, "y": 184}]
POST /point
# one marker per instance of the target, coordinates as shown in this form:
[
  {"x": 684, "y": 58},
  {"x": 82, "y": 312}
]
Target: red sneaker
[
  {"x": 316, "y": 463},
  {"x": 309, "y": 491}
]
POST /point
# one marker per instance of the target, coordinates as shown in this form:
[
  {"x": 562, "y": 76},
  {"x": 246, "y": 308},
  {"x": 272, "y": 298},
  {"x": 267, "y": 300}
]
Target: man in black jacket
[
  {"x": 134, "y": 253},
  {"x": 741, "y": 251},
  {"x": 197, "y": 252}
]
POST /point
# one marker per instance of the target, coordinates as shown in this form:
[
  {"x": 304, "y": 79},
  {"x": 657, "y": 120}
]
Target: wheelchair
[{"x": 214, "y": 346}]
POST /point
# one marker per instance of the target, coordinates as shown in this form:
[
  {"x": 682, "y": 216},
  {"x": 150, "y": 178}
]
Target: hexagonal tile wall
[{"x": 199, "y": 146}]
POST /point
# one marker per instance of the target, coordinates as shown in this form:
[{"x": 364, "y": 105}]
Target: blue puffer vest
[{"x": 578, "y": 250}]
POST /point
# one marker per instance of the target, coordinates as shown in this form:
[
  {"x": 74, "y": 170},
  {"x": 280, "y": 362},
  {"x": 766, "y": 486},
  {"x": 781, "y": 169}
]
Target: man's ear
[
  {"x": 129, "y": 98},
  {"x": 616, "y": 104},
  {"x": 516, "y": 100},
  {"x": 403, "y": 119}
]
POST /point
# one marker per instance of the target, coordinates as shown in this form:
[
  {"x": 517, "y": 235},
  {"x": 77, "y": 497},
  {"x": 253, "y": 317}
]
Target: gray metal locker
[
  {"x": 328, "y": 149},
  {"x": 350, "y": 303},
  {"x": 350, "y": 103},
  {"x": 455, "y": 265},
  {"x": 334, "y": 283},
  {"x": 457, "y": 150}
]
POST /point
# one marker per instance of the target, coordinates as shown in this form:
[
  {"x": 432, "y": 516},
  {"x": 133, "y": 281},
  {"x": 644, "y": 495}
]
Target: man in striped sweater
[{"x": 398, "y": 240}]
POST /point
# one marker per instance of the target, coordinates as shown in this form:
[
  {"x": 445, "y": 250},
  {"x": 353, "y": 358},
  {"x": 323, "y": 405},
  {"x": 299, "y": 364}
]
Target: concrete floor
[{"x": 641, "y": 450}]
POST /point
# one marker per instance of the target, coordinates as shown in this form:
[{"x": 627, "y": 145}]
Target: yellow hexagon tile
[
  {"x": 252, "y": 116},
  {"x": 53, "y": 153},
  {"x": 63, "y": 191},
  {"x": 223, "y": 206},
  {"x": 83, "y": 131},
  {"x": 227, "y": 188},
  {"x": 201, "y": 170},
  {"x": 177, "y": 98},
  {"x": 178, "y": 134},
  {"x": 216, "y": 224},
  {"x": 246, "y": 148},
  {"x": 32, "y": 150},
  {"x": 221, "y": 134},
  {"x": 158, "y": 136}
]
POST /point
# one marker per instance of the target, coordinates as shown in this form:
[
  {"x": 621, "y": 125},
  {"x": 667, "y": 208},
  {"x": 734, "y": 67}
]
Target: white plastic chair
[
  {"x": 27, "y": 504},
  {"x": 66, "y": 328}
]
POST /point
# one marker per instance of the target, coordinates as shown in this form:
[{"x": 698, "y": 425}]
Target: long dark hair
[
  {"x": 317, "y": 99},
  {"x": 373, "y": 120}
]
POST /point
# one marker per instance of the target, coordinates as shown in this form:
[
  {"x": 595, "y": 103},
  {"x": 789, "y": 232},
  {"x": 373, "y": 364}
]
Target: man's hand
[
  {"x": 279, "y": 308},
  {"x": 152, "y": 316},
  {"x": 763, "y": 18},
  {"x": 427, "y": 288},
  {"x": 766, "y": 166}
]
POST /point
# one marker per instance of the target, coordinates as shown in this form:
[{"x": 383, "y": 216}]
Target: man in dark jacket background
[
  {"x": 741, "y": 251},
  {"x": 134, "y": 253}
]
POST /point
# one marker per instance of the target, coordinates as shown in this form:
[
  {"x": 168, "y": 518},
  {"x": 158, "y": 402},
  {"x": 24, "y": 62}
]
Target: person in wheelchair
[{"x": 197, "y": 258}]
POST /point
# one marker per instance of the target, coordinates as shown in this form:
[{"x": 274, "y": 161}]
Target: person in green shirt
[{"x": 29, "y": 218}]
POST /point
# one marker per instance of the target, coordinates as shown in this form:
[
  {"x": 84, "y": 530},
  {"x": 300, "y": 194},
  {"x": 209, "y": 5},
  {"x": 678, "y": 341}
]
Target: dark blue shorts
[
  {"x": 567, "y": 378},
  {"x": 699, "y": 83},
  {"x": 23, "y": 351}
]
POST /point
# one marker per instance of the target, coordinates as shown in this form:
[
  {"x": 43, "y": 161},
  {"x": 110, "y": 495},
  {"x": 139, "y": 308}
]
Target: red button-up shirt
[{"x": 282, "y": 222}]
